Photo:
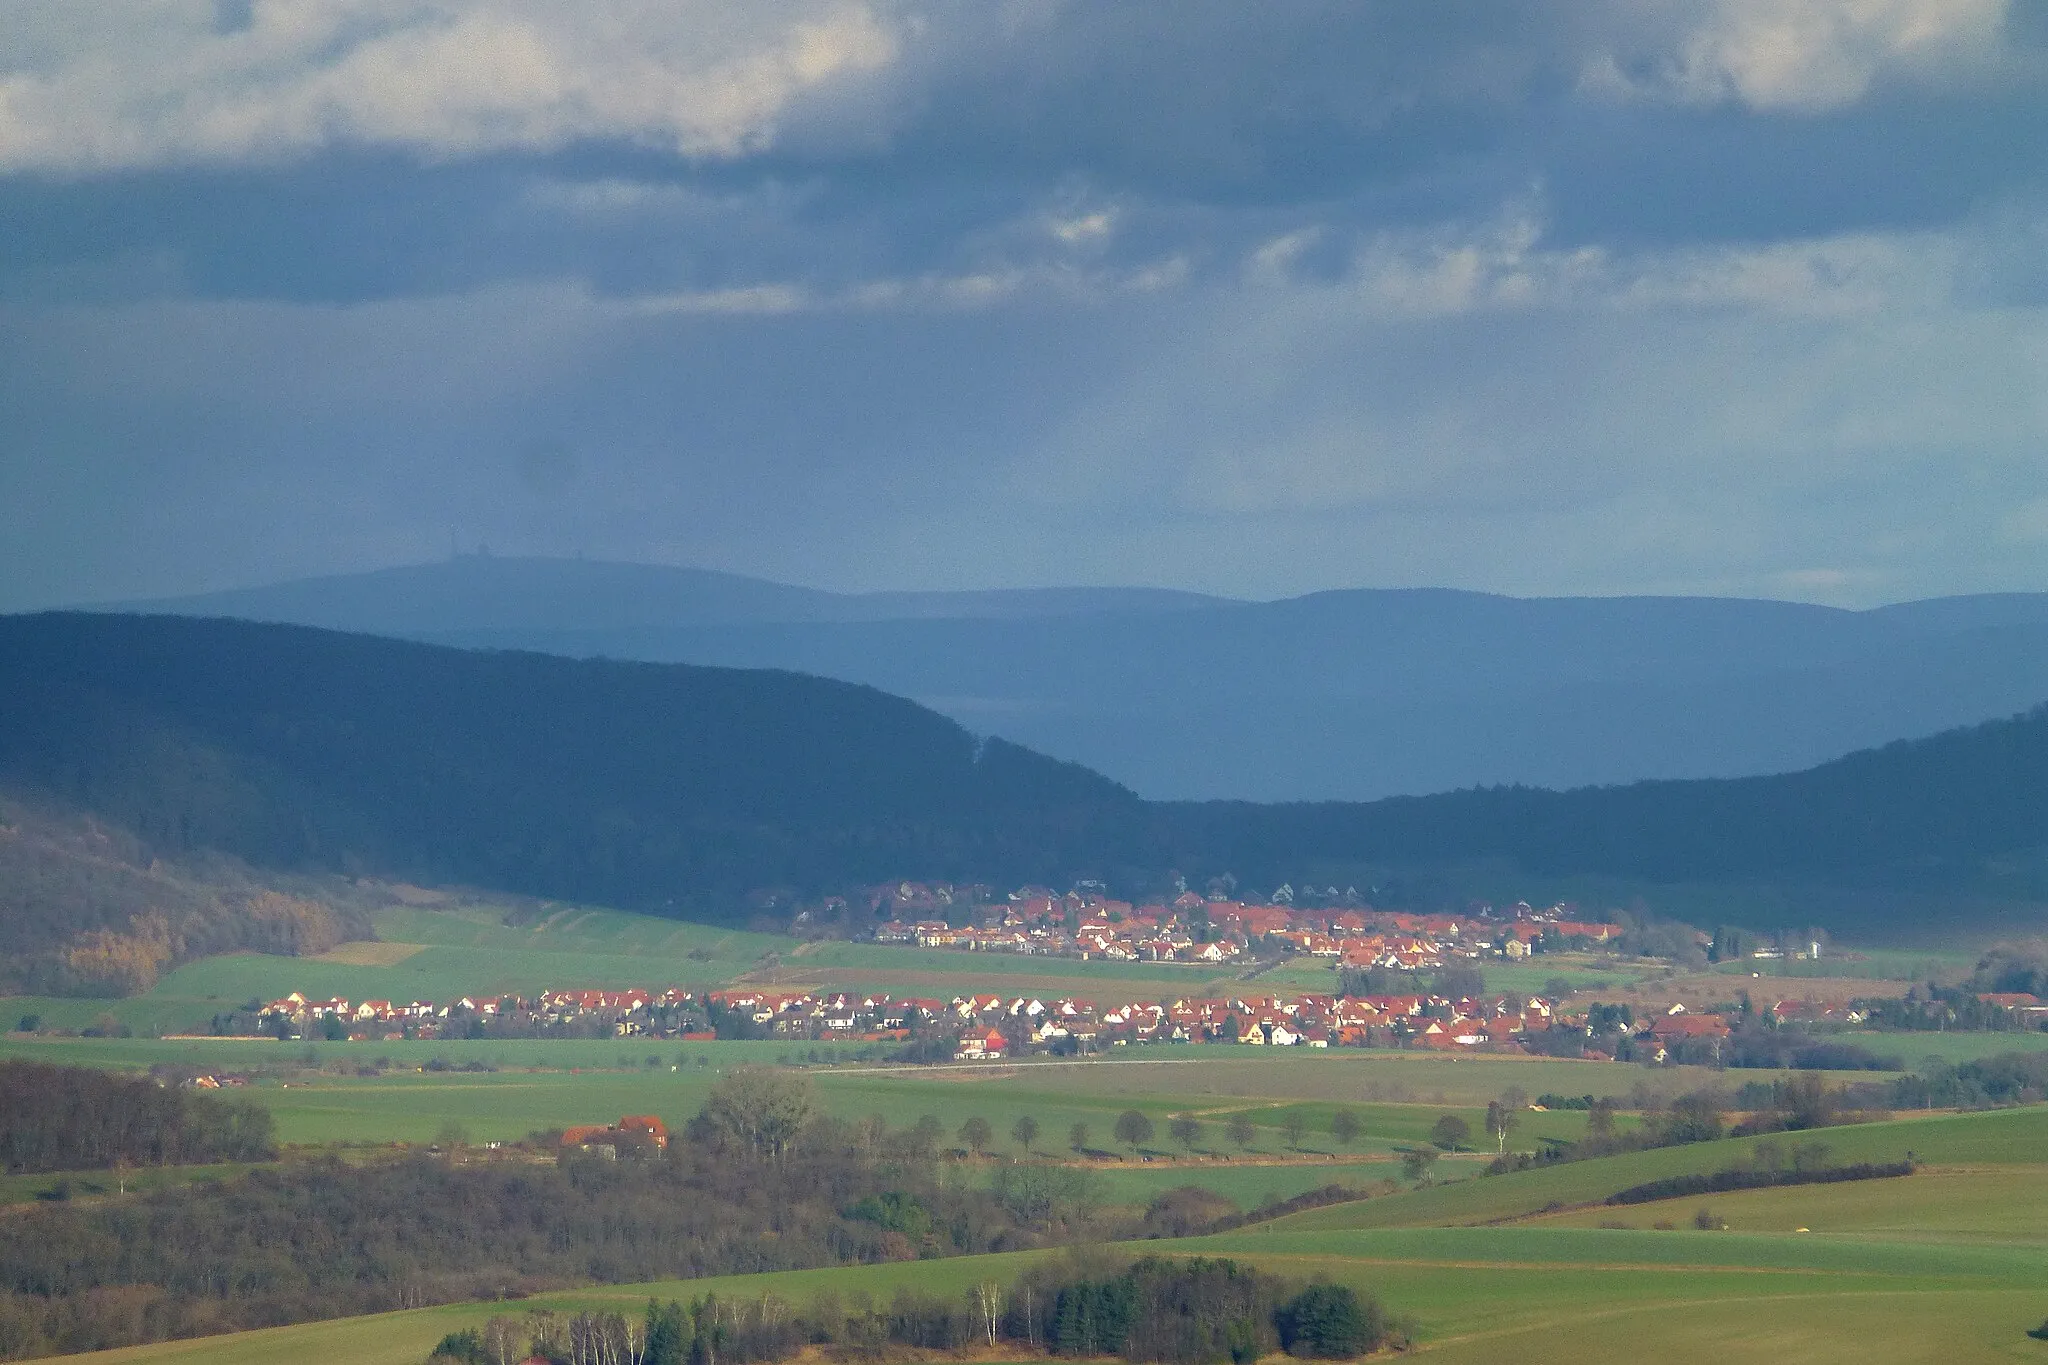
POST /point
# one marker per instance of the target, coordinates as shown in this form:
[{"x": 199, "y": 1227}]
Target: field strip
[
  {"x": 1230, "y": 1053},
  {"x": 1552, "y": 1267},
  {"x": 1579, "y": 1319},
  {"x": 369, "y": 953}
]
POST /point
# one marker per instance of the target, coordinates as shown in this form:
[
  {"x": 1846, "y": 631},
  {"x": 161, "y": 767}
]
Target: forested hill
[
  {"x": 675, "y": 787},
  {"x": 1965, "y": 809},
  {"x": 640, "y": 784},
  {"x": 1336, "y": 696}
]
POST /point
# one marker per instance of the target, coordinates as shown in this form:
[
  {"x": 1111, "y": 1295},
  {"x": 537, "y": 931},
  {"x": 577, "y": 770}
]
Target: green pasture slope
[
  {"x": 1896, "y": 1288},
  {"x": 1914, "y": 1049},
  {"x": 2007, "y": 1204},
  {"x": 2012, "y": 1138}
]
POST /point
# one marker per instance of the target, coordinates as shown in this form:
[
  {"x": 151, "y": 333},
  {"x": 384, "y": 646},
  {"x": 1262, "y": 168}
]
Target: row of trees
[
  {"x": 1134, "y": 1129},
  {"x": 68, "y": 1118},
  {"x": 1178, "y": 1311}
]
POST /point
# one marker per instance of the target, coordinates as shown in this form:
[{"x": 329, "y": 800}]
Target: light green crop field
[
  {"x": 1999, "y": 1204},
  {"x": 1874, "y": 964},
  {"x": 313, "y": 1093},
  {"x": 2009, "y": 1138},
  {"x": 1953, "y": 1048},
  {"x": 413, "y": 1106},
  {"x": 266, "y": 1054}
]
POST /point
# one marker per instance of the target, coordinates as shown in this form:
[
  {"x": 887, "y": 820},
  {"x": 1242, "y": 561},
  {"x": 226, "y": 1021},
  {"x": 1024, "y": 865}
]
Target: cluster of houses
[
  {"x": 2026, "y": 1008},
  {"x": 1194, "y": 928},
  {"x": 625, "y": 1013},
  {"x": 979, "y": 1026},
  {"x": 993, "y": 1026}
]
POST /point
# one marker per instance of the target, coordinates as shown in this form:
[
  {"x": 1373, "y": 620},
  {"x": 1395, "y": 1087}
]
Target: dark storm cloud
[{"x": 1587, "y": 297}]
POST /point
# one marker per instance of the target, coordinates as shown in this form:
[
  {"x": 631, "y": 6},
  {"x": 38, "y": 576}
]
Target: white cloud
[
  {"x": 1502, "y": 266},
  {"x": 1803, "y": 55},
  {"x": 1470, "y": 407},
  {"x": 114, "y": 86},
  {"x": 1083, "y": 227},
  {"x": 759, "y": 299}
]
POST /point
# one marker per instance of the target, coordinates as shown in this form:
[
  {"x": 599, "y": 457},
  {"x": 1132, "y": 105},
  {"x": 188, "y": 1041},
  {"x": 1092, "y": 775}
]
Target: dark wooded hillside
[
  {"x": 1964, "y": 809},
  {"x": 674, "y": 788},
  {"x": 637, "y": 784}
]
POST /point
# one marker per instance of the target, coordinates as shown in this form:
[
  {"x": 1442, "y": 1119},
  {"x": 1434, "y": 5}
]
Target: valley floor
[{"x": 1946, "y": 1264}]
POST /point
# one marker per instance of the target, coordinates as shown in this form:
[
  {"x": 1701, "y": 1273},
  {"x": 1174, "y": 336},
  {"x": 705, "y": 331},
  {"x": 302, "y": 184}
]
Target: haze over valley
[
  {"x": 1341, "y": 695},
  {"x": 863, "y": 682}
]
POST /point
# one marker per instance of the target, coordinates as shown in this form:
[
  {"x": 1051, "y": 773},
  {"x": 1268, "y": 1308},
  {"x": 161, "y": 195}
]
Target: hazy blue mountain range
[
  {"x": 487, "y": 592},
  {"x": 1345, "y": 695},
  {"x": 677, "y": 788}
]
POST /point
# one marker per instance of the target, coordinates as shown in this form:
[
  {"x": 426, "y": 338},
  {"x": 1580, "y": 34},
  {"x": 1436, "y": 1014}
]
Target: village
[
  {"x": 1404, "y": 980},
  {"x": 975, "y": 1027},
  {"x": 1208, "y": 929}
]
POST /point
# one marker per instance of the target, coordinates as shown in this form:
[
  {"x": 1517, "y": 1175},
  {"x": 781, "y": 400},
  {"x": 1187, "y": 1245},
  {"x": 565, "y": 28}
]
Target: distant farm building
[{"x": 641, "y": 1134}]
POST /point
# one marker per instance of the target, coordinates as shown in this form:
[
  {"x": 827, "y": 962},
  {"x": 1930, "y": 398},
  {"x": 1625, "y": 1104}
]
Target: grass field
[
  {"x": 315, "y": 1097},
  {"x": 1914, "y": 1048},
  {"x": 1875, "y": 964},
  {"x": 2002, "y": 1204},
  {"x": 2013, "y": 1138}
]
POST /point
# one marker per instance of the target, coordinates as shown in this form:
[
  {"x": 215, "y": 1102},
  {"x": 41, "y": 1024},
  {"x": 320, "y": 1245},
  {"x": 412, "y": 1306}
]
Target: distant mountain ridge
[
  {"x": 1342, "y": 695},
  {"x": 486, "y": 592},
  {"x": 679, "y": 788}
]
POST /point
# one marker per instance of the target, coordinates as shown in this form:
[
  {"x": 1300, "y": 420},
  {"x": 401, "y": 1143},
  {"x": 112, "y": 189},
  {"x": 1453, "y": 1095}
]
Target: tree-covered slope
[
  {"x": 1965, "y": 808},
  {"x": 1349, "y": 695},
  {"x": 88, "y": 908},
  {"x": 676, "y": 787},
  {"x": 640, "y": 784}
]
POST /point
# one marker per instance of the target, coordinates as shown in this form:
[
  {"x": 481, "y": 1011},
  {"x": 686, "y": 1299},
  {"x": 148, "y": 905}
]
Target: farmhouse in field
[{"x": 639, "y": 1134}]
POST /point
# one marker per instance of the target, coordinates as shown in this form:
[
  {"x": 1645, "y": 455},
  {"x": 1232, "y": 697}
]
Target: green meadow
[
  {"x": 2004, "y": 1138},
  {"x": 317, "y": 1095},
  {"x": 1991, "y": 1204},
  {"x": 1914, "y": 1049}
]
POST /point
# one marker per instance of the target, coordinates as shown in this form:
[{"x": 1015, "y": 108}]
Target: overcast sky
[{"x": 1715, "y": 296}]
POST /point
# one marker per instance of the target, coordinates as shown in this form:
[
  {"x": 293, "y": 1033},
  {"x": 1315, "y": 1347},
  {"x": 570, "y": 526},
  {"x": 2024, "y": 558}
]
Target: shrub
[
  {"x": 1330, "y": 1321},
  {"x": 466, "y": 1347}
]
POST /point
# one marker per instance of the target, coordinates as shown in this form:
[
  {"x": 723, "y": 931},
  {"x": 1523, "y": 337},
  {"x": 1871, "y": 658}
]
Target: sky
[{"x": 1714, "y": 296}]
